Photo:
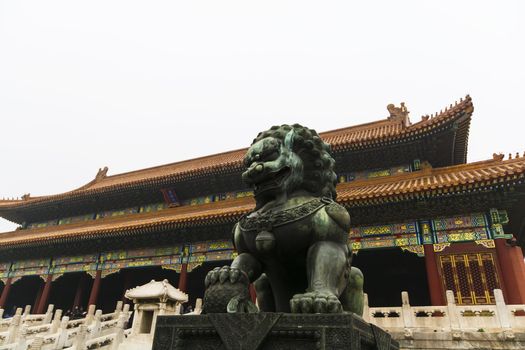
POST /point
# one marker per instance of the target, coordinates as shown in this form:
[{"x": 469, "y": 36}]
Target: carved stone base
[{"x": 265, "y": 331}]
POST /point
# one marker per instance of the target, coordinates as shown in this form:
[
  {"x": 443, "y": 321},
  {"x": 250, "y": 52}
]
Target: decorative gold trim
[
  {"x": 193, "y": 265},
  {"x": 92, "y": 273},
  {"x": 487, "y": 243},
  {"x": 176, "y": 267},
  {"x": 106, "y": 273},
  {"x": 439, "y": 247},
  {"x": 416, "y": 249},
  {"x": 57, "y": 276}
]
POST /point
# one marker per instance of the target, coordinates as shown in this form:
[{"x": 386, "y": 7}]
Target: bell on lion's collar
[{"x": 264, "y": 241}]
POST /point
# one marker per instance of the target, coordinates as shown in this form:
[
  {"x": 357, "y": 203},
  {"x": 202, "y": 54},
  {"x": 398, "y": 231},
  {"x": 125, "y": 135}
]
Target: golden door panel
[{"x": 472, "y": 276}]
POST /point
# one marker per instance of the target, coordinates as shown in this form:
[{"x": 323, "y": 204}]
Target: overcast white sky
[{"x": 133, "y": 84}]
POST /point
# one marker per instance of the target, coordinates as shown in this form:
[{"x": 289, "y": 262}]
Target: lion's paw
[
  {"x": 222, "y": 285},
  {"x": 315, "y": 303},
  {"x": 224, "y": 274}
]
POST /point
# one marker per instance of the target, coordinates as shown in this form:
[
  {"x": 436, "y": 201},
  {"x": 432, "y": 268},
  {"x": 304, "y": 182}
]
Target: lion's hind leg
[{"x": 352, "y": 297}]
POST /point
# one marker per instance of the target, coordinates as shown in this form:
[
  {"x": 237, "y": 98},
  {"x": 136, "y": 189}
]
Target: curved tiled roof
[
  {"x": 171, "y": 218},
  {"x": 431, "y": 181},
  {"x": 382, "y": 132},
  {"x": 392, "y": 130},
  {"x": 428, "y": 181}
]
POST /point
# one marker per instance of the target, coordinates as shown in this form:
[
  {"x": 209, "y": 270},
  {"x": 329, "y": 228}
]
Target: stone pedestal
[{"x": 265, "y": 331}]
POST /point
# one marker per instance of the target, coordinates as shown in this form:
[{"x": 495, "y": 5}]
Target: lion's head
[{"x": 289, "y": 158}]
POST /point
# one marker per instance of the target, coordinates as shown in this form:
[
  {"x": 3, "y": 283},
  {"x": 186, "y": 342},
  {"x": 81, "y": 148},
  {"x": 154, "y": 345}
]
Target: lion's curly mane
[{"x": 319, "y": 175}]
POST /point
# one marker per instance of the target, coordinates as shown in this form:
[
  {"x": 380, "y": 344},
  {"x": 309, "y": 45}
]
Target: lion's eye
[{"x": 271, "y": 156}]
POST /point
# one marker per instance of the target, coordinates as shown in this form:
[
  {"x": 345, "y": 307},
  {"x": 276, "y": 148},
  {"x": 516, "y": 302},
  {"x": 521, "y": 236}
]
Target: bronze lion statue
[{"x": 293, "y": 245}]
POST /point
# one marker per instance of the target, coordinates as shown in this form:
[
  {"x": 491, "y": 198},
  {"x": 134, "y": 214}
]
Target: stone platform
[{"x": 265, "y": 331}]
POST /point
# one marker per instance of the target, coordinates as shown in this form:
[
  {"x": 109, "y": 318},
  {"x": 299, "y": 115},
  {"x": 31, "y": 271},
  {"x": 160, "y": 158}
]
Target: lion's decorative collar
[{"x": 271, "y": 219}]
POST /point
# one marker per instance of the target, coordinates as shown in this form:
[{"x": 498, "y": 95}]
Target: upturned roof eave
[
  {"x": 103, "y": 184},
  {"x": 358, "y": 193}
]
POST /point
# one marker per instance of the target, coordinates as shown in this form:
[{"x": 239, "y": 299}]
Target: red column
[
  {"x": 434, "y": 280},
  {"x": 93, "y": 296},
  {"x": 37, "y": 298},
  {"x": 183, "y": 279},
  {"x": 513, "y": 271},
  {"x": 253, "y": 294},
  {"x": 5, "y": 292},
  {"x": 42, "y": 304},
  {"x": 80, "y": 291}
]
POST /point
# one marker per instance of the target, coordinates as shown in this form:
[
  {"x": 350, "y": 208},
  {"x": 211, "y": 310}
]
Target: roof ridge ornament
[
  {"x": 399, "y": 113},
  {"x": 101, "y": 174},
  {"x": 498, "y": 156},
  {"x": 26, "y": 196}
]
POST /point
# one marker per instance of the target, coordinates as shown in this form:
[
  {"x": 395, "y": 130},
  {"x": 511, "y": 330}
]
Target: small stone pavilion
[{"x": 150, "y": 300}]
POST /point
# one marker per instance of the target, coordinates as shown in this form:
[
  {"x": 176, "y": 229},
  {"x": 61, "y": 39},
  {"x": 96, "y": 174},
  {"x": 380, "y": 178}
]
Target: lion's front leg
[
  {"x": 326, "y": 268},
  {"x": 227, "y": 287}
]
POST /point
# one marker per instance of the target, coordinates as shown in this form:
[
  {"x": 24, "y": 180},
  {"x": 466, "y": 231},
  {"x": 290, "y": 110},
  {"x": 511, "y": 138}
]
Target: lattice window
[{"x": 471, "y": 276}]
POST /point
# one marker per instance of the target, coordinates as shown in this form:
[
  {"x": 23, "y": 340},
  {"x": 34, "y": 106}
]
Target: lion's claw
[
  {"x": 235, "y": 274},
  {"x": 223, "y": 274},
  {"x": 211, "y": 277},
  {"x": 315, "y": 302}
]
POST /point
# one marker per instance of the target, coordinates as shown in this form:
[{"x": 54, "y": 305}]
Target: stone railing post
[
  {"x": 125, "y": 311},
  {"x": 90, "y": 314},
  {"x": 62, "y": 333},
  {"x": 27, "y": 311},
  {"x": 503, "y": 315},
  {"x": 135, "y": 326},
  {"x": 366, "y": 308},
  {"x": 501, "y": 309},
  {"x": 198, "y": 306},
  {"x": 21, "y": 339},
  {"x": 18, "y": 311},
  {"x": 118, "y": 309},
  {"x": 119, "y": 336},
  {"x": 12, "y": 331},
  {"x": 95, "y": 326},
  {"x": 49, "y": 314},
  {"x": 406, "y": 310},
  {"x": 80, "y": 340},
  {"x": 55, "y": 324},
  {"x": 453, "y": 316},
  {"x": 1, "y": 313}
]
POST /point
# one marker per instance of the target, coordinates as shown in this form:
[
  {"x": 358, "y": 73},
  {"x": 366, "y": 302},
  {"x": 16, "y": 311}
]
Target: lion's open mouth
[{"x": 272, "y": 180}]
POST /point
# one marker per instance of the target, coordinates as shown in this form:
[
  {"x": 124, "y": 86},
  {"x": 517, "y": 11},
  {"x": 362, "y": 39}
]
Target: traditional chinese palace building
[{"x": 424, "y": 221}]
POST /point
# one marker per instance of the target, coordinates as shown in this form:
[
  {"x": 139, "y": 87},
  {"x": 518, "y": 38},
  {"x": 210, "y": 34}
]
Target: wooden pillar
[
  {"x": 37, "y": 297},
  {"x": 93, "y": 296},
  {"x": 80, "y": 291},
  {"x": 513, "y": 271},
  {"x": 253, "y": 294},
  {"x": 5, "y": 292},
  {"x": 434, "y": 281},
  {"x": 183, "y": 278},
  {"x": 44, "y": 298}
]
